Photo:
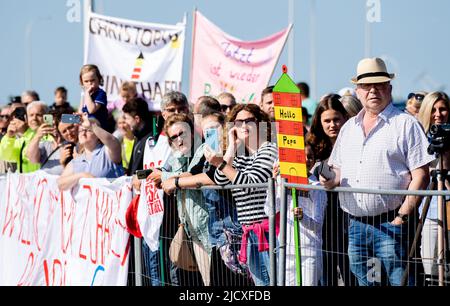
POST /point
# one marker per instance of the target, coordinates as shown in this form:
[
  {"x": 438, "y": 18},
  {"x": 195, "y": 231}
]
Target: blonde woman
[{"x": 434, "y": 110}]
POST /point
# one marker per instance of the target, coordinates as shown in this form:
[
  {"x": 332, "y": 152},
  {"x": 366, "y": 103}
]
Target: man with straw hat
[{"x": 380, "y": 148}]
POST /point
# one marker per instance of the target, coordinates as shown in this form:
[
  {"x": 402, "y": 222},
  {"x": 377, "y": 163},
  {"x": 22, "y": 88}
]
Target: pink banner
[{"x": 221, "y": 62}]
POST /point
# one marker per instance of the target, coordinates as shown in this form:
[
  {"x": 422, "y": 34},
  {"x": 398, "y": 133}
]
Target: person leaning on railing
[
  {"x": 222, "y": 213},
  {"x": 101, "y": 156},
  {"x": 252, "y": 167},
  {"x": 328, "y": 119},
  {"x": 192, "y": 210}
]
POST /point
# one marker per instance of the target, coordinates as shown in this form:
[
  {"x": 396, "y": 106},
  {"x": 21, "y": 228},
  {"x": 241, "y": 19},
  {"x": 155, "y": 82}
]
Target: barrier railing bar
[{"x": 371, "y": 191}]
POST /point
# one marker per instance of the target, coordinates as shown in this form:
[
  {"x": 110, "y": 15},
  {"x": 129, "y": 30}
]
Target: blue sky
[{"x": 412, "y": 35}]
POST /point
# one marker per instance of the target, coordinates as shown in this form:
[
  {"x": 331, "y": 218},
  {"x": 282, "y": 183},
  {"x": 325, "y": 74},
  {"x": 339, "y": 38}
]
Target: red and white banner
[
  {"x": 151, "y": 203},
  {"x": 52, "y": 238},
  {"x": 221, "y": 62}
]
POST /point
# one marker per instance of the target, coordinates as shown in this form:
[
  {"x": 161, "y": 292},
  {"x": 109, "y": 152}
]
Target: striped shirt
[
  {"x": 253, "y": 169},
  {"x": 383, "y": 160}
]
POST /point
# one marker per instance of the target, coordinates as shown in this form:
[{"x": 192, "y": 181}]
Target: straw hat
[{"x": 372, "y": 70}]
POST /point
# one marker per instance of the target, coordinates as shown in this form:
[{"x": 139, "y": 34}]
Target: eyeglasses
[
  {"x": 224, "y": 107},
  {"x": 240, "y": 122},
  {"x": 4, "y": 117},
  {"x": 378, "y": 86},
  {"x": 175, "y": 137},
  {"x": 82, "y": 130},
  {"x": 418, "y": 97}
]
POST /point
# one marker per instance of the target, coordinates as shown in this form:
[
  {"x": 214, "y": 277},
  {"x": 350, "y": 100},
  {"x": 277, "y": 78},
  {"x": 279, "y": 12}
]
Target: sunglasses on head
[
  {"x": 418, "y": 97},
  {"x": 239, "y": 122}
]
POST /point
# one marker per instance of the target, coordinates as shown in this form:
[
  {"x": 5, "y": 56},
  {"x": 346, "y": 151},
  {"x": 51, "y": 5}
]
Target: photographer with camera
[
  {"x": 16, "y": 140},
  {"x": 435, "y": 119},
  {"x": 53, "y": 154}
]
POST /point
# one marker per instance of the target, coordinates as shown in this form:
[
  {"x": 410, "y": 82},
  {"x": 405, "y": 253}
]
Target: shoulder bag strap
[{"x": 50, "y": 155}]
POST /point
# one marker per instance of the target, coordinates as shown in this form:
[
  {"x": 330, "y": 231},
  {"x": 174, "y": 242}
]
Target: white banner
[
  {"x": 151, "y": 205},
  {"x": 56, "y": 239},
  {"x": 125, "y": 50}
]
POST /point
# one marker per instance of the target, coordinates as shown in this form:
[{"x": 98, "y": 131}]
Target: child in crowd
[
  {"x": 94, "y": 101},
  {"x": 127, "y": 92},
  {"x": 310, "y": 212}
]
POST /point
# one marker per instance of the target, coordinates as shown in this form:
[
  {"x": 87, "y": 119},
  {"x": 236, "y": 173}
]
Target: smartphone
[
  {"x": 326, "y": 171},
  {"x": 69, "y": 118},
  {"x": 142, "y": 174},
  {"x": 212, "y": 139},
  {"x": 48, "y": 119}
]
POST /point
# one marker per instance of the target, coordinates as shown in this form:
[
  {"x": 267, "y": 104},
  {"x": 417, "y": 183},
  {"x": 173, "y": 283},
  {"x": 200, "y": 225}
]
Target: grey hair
[
  {"x": 351, "y": 104},
  {"x": 37, "y": 103},
  {"x": 175, "y": 97},
  {"x": 30, "y": 93}
]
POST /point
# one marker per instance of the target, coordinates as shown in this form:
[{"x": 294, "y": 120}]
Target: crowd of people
[{"x": 364, "y": 140}]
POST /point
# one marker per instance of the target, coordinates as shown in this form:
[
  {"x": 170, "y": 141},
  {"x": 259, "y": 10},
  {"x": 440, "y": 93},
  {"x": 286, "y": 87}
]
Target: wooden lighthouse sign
[{"x": 291, "y": 143}]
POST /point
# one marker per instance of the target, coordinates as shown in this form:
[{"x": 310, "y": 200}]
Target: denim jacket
[{"x": 196, "y": 217}]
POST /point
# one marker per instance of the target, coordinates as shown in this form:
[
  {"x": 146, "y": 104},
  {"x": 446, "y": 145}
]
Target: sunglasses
[
  {"x": 240, "y": 122},
  {"x": 224, "y": 107},
  {"x": 175, "y": 137},
  {"x": 4, "y": 117},
  {"x": 368, "y": 86},
  {"x": 418, "y": 97}
]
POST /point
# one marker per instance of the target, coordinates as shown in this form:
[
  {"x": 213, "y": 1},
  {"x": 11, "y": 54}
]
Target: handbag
[{"x": 180, "y": 251}]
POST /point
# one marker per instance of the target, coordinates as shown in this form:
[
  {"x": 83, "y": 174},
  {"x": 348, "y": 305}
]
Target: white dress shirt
[{"x": 383, "y": 160}]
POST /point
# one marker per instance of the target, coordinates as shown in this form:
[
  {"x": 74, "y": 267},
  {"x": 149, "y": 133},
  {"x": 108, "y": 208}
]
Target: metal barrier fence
[{"x": 323, "y": 233}]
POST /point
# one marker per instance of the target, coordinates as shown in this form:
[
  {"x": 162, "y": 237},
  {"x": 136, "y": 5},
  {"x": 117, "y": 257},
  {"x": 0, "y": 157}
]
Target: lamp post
[
  {"x": 29, "y": 48},
  {"x": 313, "y": 71},
  {"x": 291, "y": 42},
  {"x": 367, "y": 39}
]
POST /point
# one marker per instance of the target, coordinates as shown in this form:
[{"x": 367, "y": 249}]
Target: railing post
[
  {"x": 282, "y": 236},
  {"x": 138, "y": 261},
  {"x": 272, "y": 234}
]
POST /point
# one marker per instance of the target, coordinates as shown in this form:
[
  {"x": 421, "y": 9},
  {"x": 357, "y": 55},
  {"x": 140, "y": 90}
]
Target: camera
[
  {"x": 71, "y": 147},
  {"x": 440, "y": 130},
  {"x": 439, "y": 138},
  {"x": 48, "y": 119},
  {"x": 142, "y": 174},
  {"x": 71, "y": 119}
]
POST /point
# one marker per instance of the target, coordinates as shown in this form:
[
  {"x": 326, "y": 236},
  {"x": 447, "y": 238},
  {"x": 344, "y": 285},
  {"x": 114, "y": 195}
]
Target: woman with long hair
[
  {"x": 435, "y": 109},
  {"x": 248, "y": 160},
  {"x": 327, "y": 121}
]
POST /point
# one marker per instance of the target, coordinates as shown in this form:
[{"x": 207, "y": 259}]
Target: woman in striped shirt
[{"x": 248, "y": 160}]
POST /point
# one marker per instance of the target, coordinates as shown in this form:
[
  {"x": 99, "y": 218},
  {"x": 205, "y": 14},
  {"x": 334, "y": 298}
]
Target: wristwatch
[
  {"x": 176, "y": 182},
  {"x": 222, "y": 165},
  {"x": 404, "y": 217}
]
